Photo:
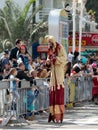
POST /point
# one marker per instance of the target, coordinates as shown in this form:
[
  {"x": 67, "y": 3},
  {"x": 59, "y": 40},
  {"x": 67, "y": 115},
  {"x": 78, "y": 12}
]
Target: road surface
[{"x": 83, "y": 115}]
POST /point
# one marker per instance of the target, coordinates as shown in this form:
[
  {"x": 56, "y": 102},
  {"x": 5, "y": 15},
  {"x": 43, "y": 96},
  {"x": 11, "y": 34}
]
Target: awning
[{"x": 77, "y": 48}]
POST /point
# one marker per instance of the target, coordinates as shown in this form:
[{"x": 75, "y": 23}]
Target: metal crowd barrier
[
  {"x": 76, "y": 89},
  {"x": 43, "y": 97},
  {"x": 3, "y": 97}
]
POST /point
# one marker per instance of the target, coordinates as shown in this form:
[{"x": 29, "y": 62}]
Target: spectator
[
  {"x": 77, "y": 65},
  {"x": 31, "y": 67},
  {"x": 14, "y": 53},
  {"x": 21, "y": 74},
  {"x": 68, "y": 69},
  {"x": 96, "y": 71},
  {"x": 37, "y": 62},
  {"x": 1, "y": 75},
  {"x": 70, "y": 57},
  {"x": 5, "y": 60},
  {"x": 92, "y": 59},
  {"x": 84, "y": 69},
  {"x": 43, "y": 73},
  {"x": 34, "y": 74},
  {"x": 6, "y": 73},
  {"x": 75, "y": 58},
  {"x": 24, "y": 56},
  {"x": 13, "y": 84}
]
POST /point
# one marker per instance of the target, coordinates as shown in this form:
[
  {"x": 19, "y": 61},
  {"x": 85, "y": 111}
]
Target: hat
[{"x": 6, "y": 52}]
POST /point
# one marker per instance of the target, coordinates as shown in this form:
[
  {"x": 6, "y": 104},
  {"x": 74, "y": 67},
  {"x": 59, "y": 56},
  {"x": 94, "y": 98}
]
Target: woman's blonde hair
[{"x": 51, "y": 39}]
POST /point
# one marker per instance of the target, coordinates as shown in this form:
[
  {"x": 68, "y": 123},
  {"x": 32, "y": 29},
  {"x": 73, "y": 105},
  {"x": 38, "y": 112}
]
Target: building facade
[{"x": 47, "y": 6}]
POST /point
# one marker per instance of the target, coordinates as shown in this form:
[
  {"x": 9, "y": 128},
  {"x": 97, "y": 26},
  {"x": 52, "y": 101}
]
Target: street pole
[
  {"x": 63, "y": 3},
  {"x": 74, "y": 25},
  {"x": 80, "y": 28}
]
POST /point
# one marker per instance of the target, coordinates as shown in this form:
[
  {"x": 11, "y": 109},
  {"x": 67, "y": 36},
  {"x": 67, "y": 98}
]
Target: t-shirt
[
  {"x": 25, "y": 60},
  {"x": 13, "y": 84},
  {"x": 13, "y": 55}
]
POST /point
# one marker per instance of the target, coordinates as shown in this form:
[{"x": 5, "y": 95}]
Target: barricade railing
[
  {"x": 3, "y": 96},
  {"x": 35, "y": 97},
  {"x": 43, "y": 98},
  {"x": 78, "y": 89}
]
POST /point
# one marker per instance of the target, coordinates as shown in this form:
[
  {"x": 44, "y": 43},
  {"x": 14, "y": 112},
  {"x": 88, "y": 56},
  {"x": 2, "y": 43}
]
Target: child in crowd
[{"x": 13, "y": 85}]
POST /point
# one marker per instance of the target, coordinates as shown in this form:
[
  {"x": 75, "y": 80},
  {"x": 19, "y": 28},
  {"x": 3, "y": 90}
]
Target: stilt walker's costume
[{"x": 58, "y": 58}]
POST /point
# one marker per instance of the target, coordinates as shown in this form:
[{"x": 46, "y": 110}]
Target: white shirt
[{"x": 70, "y": 56}]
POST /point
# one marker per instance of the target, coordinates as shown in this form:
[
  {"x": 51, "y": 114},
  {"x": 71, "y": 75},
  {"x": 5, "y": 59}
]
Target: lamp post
[
  {"x": 80, "y": 27},
  {"x": 63, "y": 3},
  {"x": 74, "y": 8},
  {"x": 74, "y": 24}
]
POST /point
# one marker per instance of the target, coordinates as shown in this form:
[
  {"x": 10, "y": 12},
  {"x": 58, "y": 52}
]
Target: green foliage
[
  {"x": 26, "y": 9},
  {"x": 11, "y": 21},
  {"x": 16, "y": 23},
  {"x": 39, "y": 30}
]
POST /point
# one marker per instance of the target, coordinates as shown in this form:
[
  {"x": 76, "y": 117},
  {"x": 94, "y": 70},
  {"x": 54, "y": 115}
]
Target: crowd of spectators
[
  {"x": 17, "y": 64},
  {"x": 19, "y": 58},
  {"x": 84, "y": 67}
]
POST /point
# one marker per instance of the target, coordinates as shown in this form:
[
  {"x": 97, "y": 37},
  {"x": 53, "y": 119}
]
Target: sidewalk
[{"x": 84, "y": 116}]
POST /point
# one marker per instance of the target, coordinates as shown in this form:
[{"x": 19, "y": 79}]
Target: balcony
[{"x": 43, "y": 14}]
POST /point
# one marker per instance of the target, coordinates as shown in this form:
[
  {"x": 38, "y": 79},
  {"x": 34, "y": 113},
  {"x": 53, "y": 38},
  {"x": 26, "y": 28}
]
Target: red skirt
[{"x": 56, "y": 103}]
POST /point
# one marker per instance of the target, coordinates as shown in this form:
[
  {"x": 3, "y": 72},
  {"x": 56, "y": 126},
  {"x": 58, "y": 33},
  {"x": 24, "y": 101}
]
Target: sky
[{"x": 20, "y": 2}]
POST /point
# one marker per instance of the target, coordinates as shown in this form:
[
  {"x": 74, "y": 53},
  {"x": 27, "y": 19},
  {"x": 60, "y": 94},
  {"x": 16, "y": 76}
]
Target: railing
[{"x": 76, "y": 89}]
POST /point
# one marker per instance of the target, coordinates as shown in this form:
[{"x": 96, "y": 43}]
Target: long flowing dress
[{"x": 56, "y": 93}]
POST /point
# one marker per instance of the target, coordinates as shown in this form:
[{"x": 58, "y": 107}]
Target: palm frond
[
  {"x": 37, "y": 27},
  {"x": 26, "y": 8}
]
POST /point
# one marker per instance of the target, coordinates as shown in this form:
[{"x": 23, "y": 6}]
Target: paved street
[{"x": 84, "y": 115}]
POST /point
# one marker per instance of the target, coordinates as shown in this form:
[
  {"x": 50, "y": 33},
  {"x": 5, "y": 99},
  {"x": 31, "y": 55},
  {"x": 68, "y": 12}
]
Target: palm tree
[
  {"x": 16, "y": 23},
  {"x": 39, "y": 30},
  {"x": 14, "y": 19}
]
